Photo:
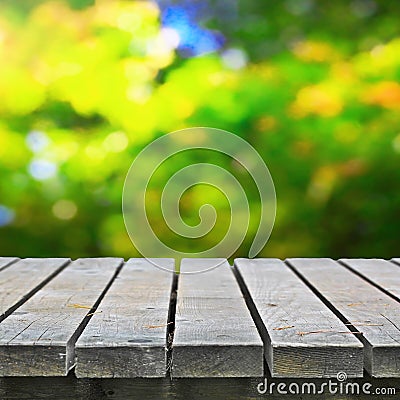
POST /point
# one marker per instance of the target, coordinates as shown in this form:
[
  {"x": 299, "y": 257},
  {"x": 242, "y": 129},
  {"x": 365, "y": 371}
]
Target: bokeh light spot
[
  {"x": 6, "y": 215},
  {"x": 194, "y": 39},
  {"x": 42, "y": 169},
  {"x": 171, "y": 37},
  {"x": 234, "y": 58},
  {"x": 116, "y": 142},
  {"x": 65, "y": 209},
  {"x": 396, "y": 143},
  {"x": 37, "y": 141}
]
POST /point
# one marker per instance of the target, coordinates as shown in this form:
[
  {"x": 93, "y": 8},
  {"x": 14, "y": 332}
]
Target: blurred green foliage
[{"x": 313, "y": 86}]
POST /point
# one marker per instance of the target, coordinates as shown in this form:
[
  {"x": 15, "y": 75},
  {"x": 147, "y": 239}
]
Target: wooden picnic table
[{"x": 98, "y": 328}]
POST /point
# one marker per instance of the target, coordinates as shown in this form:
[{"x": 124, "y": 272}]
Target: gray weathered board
[
  {"x": 214, "y": 332},
  {"x": 38, "y": 338},
  {"x": 365, "y": 307},
  {"x": 127, "y": 337},
  {"x": 6, "y": 261},
  {"x": 381, "y": 273},
  {"x": 19, "y": 281},
  {"x": 287, "y": 312}
]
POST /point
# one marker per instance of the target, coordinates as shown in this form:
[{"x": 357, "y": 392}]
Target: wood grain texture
[
  {"x": 369, "y": 311},
  {"x": 215, "y": 335},
  {"x": 6, "y": 261},
  {"x": 384, "y": 274},
  {"x": 284, "y": 306},
  {"x": 128, "y": 337},
  {"x": 24, "y": 278},
  {"x": 38, "y": 338}
]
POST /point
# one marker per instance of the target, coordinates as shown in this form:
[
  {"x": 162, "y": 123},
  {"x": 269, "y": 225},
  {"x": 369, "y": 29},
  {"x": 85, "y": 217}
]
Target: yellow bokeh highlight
[
  {"x": 65, "y": 209},
  {"x": 325, "y": 178},
  {"x": 381, "y": 60},
  {"x": 95, "y": 152},
  {"x": 312, "y": 51},
  {"x": 133, "y": 17},
  {"x": 12, "y": 143},
  {"x": 116, "y": 142},
  {"x": 266, "y": 123},
  {"x": 343, "y": 72},
  {"x": 15, "y": 84},
  {"x": 321, "y": 99},
  {"x": 322, "y": 183},
  {"x": 385, "y": 94}
]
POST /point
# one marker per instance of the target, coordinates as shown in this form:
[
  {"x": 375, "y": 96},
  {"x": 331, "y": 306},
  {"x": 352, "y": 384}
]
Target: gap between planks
[
  {"x": 171, "y": 324},
  {"x": 5, "y": 262},
  {"x": 272, "y": 291},
  {"x": 355, "y": 299},
  {"x": 39, "y": 338},
  {"x": 348, "y": 324},
  {"x": 34, "y": 288},
  {"x": 71, "y": 343},
  {"x": 129, "y": 338},
  {"x": 215, "y": 334},
  {"x": 376, "y": 280}
]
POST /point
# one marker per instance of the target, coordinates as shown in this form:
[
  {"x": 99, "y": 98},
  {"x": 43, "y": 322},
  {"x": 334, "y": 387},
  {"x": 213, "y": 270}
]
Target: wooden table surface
[{"x": 104, "y": 318}]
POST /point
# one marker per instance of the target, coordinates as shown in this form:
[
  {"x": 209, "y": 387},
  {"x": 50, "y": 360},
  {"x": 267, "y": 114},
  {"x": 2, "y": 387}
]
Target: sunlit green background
[{"x": 312, "y": 85}]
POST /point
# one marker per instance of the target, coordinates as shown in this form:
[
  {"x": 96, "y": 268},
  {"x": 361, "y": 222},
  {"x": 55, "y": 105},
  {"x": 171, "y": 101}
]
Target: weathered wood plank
[
  {"x": 38, "y": 338},
  {"x": 369, "y": 311},
  {"x": 6, "y": 261},
  {"x": 215, "y": 335},
  {"x": 284, "y": 307},
  {"x": 24, "y": 278},
  {"x": 381, "y": 273},
  {"x": 128, "y": 337}
]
